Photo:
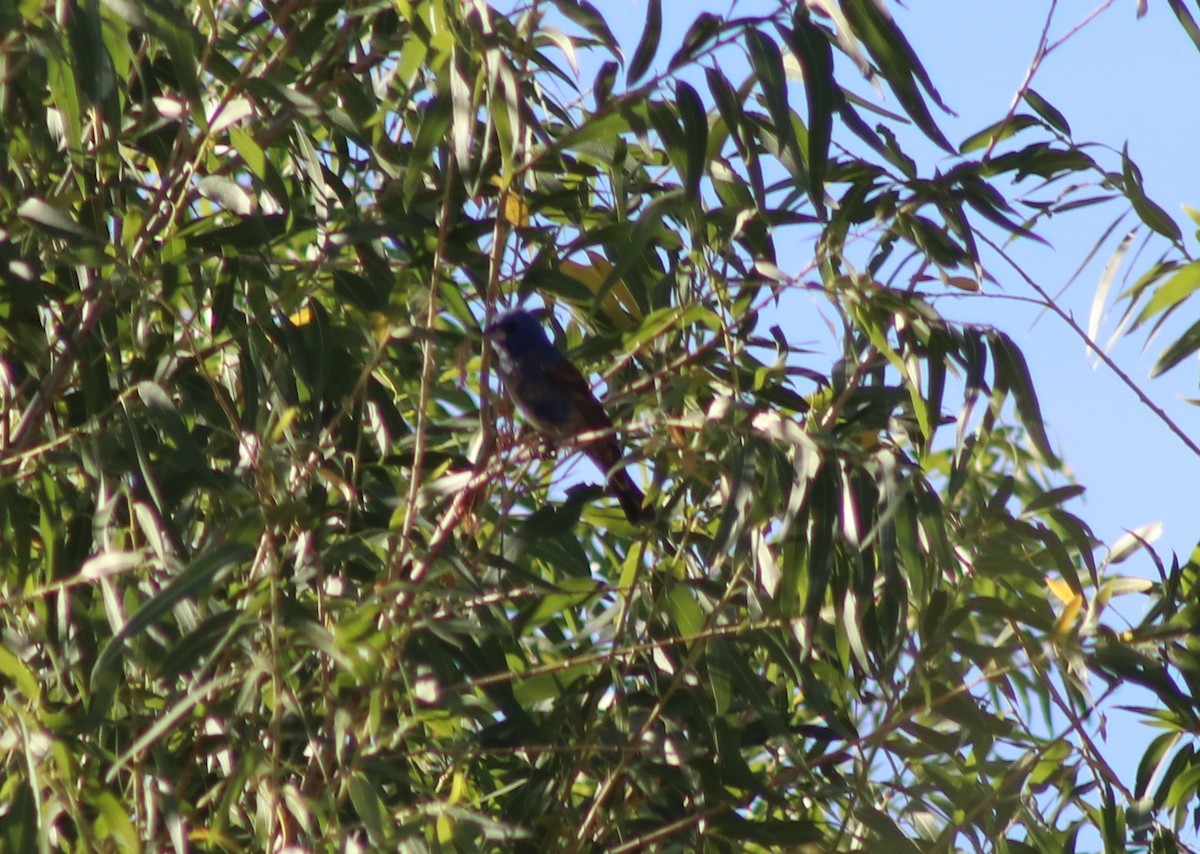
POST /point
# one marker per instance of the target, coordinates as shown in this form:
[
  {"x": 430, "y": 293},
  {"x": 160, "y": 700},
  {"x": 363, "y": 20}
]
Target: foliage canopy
[{"x": 277, "y": 571}]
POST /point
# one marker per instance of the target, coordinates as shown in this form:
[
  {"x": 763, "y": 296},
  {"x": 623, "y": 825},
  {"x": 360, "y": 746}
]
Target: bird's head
[{"x": 518, "y": 332}]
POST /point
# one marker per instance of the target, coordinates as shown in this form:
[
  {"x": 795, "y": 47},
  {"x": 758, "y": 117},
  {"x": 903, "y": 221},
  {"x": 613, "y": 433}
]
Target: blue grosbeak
[{"x": 555, "y": 398}]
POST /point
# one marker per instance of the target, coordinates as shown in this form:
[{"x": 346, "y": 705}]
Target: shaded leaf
[
  {"x": 695, "y": 130},
  {"x": 815, "y": 54},
  {"x": 1147, "y": 210},
  {"x": 768, "y": 67},
  {"x": 897, "y": 63},
  {"x": 647, "y": 47},
  {"x": 1047, "y": 111}
]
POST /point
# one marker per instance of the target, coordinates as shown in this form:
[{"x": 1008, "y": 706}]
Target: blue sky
[{"x": 1119, "y": 80}]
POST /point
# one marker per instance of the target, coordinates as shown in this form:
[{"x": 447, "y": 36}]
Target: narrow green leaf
[
  {"x": 1112, "y": 822},
  {"x": 815, "y": 54},
  {"x": 851, "y": 626},
  {"x": 1156, "y": 272},
  {"x": 1131, "y": 541},
  {"x": 729, "y": 105},
  {"x": 50, "y": 218},
  {"x": 13, "y": 668},
  {"x": 465, "y": 123},
  {"x": 664, "y": 119},
  {"x": 648, "y": 227},
  {"x": 91, "y": 60},
  {"x": 365, "y": 798},
  {"x": 203, "y": 572},
  {"x": 654, "y": 324},
  {"x": 166, "y": 722},
  {"x": 884, "y": 829},
  {"x": 1053, "y": 498},
  {"x": 1100, "y": 298},
  {"x": 215, "y": 632},
  {"x": 768, "y": 67},
  {"x": 505, "y": 116},
  {"x": 822, "y": 516},
  {"x": 647, "y": 47},
  {"x": 601, "y": 130},
  {"x": 1186, "y": 20},
  {"x": 937, "y": 349},
  {"x": 1183, "y": 759},
  {"x": 573, "y": 591},
  {"x": 112, "y": 821},
  {"x": 590, "y": 18},
  {"x": 602, "y": 86},
  {"x": 773, "y": 834},
  {"x": 131, "y": 13},
  {"x": 250, "y": 151},
  {"x": 886, "y": 148},
  {"x": 174, "y": 28},
  {"x": 412, "y": 57},
  {"x": 1058, "y": 552},
  {"x": 1047, "y": 111},
  {"x": 733, "y": 515},
  {"x": 435, "y": 121},
  {"x": 917, "y": 569},
  {"x": 65, "y": 98},
  {"x": 983, "y": 204},
  {"x": 685, "y": 613},
  {"x": 1012, "y": 374},
  {"x": 1170, "y": 294},
  {"x": 897, "y": 63},
  {"x": 695, "y": 134},
  {"x": 1041, "y": 159},
  {"x": 997, "y": 132},
  {"x": 227, "y": 193},
  {"x": 703, "y": 32},
  {"x": 1147, "y": 210},
  {"x": 1182, "y": 347}
]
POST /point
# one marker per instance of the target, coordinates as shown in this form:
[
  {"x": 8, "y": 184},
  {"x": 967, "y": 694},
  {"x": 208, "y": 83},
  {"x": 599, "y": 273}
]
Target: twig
[{"x": 1099, "y": 351}]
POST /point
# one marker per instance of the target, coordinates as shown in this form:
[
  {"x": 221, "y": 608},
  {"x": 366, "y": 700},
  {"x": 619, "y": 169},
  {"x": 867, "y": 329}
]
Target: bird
[{"x": 553, "y": 396}]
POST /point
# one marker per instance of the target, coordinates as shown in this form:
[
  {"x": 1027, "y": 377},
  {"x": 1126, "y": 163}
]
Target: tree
[{"x": 278, "y": 571}]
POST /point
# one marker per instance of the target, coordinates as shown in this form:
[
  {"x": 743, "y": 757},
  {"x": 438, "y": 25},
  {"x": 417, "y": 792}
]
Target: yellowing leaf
[
  {"x": 1062, "y": 626},
  {"x": 286, "y": 419},
  {"x": 1072, "y": 604},
  {"x": 512, "y": 207},
  {"x": 868, "y": 440},
  {"x": 379, "y": 327},
  {"x": 301, "y": 316},
  {"x": 445, "y": 828},
  {"x": 515, "y": 210},
  {"x": 458, "y": 789},
  {"x": 1061, "y": 590},
  {"x": 618, "y": 306}
]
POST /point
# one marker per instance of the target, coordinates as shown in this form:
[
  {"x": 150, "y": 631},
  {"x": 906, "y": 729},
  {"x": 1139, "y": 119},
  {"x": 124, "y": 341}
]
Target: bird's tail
[
  {"x": 629, "y": 496},
  {"x": 606, "y": 454}
]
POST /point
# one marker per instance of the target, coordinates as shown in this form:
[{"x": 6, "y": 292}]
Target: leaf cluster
[{"x": 276, "y": 571}]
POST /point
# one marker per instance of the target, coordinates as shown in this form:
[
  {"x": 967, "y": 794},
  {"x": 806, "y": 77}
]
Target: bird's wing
[
  {"x": 554, "y": 396},
  {"x": 587, "y": 416},
  {"x": 567, "y": 378}
]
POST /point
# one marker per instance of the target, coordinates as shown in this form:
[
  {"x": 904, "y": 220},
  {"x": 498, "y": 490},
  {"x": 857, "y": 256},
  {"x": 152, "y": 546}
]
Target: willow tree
[{"x": 279, "y": 568}]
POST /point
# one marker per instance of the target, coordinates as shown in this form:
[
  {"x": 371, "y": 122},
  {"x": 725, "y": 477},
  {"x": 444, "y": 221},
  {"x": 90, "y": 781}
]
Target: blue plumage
[{"x": 555, "y": 398}]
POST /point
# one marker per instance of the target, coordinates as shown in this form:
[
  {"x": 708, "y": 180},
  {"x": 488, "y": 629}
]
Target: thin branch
[
  {"x": 1044, "y": 49},
  {"x": 1068, "y": 319}
]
